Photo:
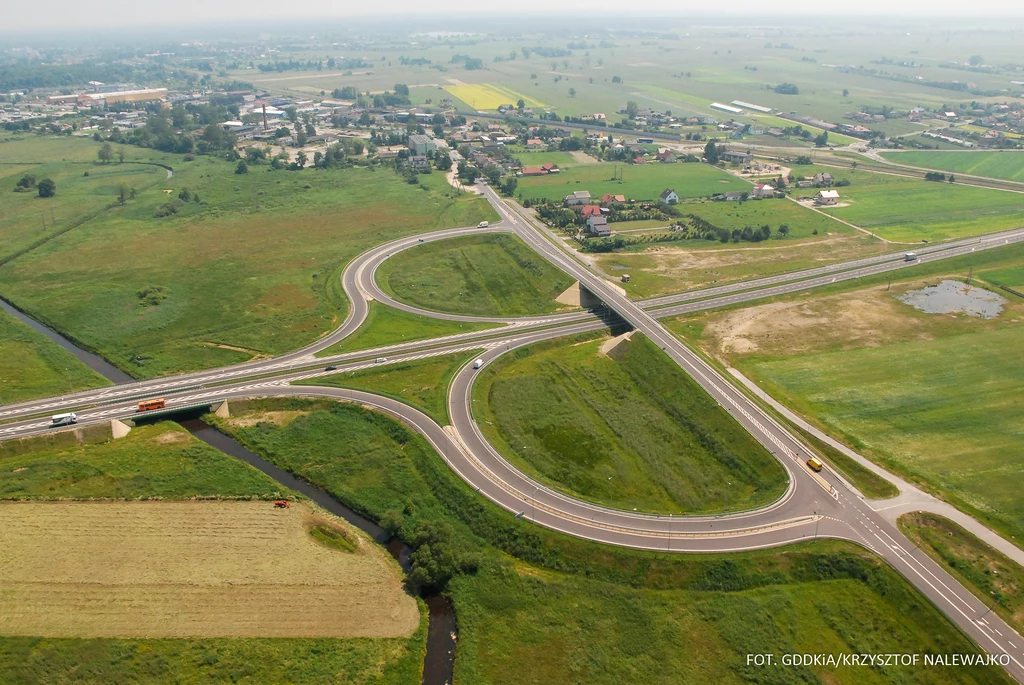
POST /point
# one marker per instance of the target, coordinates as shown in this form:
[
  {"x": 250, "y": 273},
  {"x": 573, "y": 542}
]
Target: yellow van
[{"x": 815, "y": 464}]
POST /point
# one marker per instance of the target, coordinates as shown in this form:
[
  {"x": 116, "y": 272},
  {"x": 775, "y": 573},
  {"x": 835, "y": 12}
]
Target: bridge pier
[
  {"x": 221, "y": 409},
  {"x": 119, "y": 429}
]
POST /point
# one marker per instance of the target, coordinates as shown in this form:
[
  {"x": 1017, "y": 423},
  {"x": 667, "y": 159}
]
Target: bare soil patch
[
  {"x": 280, "y": 418},
  {"x": 191, "y": 569}
]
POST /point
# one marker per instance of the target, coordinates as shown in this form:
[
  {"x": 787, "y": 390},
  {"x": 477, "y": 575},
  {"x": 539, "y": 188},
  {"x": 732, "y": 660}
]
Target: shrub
[{"x": 47, "y": 188}]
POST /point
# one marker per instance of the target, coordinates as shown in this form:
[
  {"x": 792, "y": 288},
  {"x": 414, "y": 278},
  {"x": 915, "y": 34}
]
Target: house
[
  {"x": 669, "y": 197},
  {"x": 737, "y": 157},
  {"x": 591, "y": 210},
  {"x": 666, "y": 156},
  {"x": 534, "y": 144},
  {"x": 598, "y": 227},
  {"x": 579, "y": 197},
  {"x": 549, "y": 167},
  {"x": 639, "y": 159},
  {"x": 826, "y": 197},
  {"x": 608, "y": 199},
  {"x": 762, "y": 191},
  {"x": 732, "y": 196},
  {"x": 533, "y": 171},
  {"x": 422, "y": 145},
  {"x": 823, "y": 180},
  {"x": 805, "y": 184}
]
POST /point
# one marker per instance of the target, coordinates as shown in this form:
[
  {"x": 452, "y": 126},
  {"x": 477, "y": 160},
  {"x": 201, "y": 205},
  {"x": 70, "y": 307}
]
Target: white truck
[
  {"x": 910, "y": 257},
  {"x": 63, "y": 419},
  {"x": 483, "y": 224},
  {"x": 478, "y": 363}
]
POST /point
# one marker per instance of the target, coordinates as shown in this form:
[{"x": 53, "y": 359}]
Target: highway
[{"x": 813, "y": 505}]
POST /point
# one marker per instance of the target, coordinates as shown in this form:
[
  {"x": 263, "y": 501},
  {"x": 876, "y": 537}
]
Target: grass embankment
[
  {"x": 33, "y": 366},
  {"x": 422, "y": 383},
  {"x": 252, "y": 269},
  {"x": 163, "y": 461},
  {"x": 995, "y": 578},
  {"x": 911, "y": 209},
  {"x": 928, "y": 396},
  {"x": 539, "y": 607},
  {"x": 628, "y": 429},
  {"x": 159, "y": 461},
  {"x": 640, "y": 182},
  {"x": 386, "y": 325},
  {"x": 1007, "y": 165},
  {"x": 482, "y": 275}
]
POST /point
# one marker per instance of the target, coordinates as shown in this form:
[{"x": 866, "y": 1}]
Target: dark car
[{"x": 331, "y": 368}]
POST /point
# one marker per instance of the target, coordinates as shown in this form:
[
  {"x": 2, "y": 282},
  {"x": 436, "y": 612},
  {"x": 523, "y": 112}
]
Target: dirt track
[{"x": 190, "y": 569}]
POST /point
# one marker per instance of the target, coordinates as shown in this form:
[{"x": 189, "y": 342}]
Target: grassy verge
[
  {"x": 33, "y": 366},
  {"x": 483, "y": 275},
  {"x": 539, "y": 607},
  {"x": 422, "y": 383},
  {"x": 386, "y": 325},
  {"x": 626, "y": 428},
  {"x": 995, "y": 578},
  {"x": 864, "y": 479},
  {"x": 160, "y": 461}
]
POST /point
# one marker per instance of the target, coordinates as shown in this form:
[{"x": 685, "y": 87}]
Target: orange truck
[{"x": 150, "y": 405}]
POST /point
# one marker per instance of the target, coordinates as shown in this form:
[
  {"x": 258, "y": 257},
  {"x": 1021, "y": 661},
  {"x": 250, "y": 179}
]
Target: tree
[
  {"x": 443, "y": 161},
  {"x": 301, "y": 159},
  {"x": 47, "y": 188},
  {"x": 784, "y": 229},
  {"x": 616, "y": 79},
  {"x": 401, "y": 89},
  {"x": 123, "y": 193},
  {"x": 711, "y": 152},
  {"x": 521, "y": 104},
  {"x": 821, "y": 140},
  {"x": 26, "y": 182},
  {"x": 106, "y": 153},
  {"x": 242, "y": 167},
  {"x": 120, "y": 156},
  {"x": 976, "y": 60},
  {"x": 572, "y": 92},
  {"x": 631, "y": 109},
  {"x": 846, "y": 93},
  {"x": 509, "y": 186},
  {"x": 293, "y": 114}
]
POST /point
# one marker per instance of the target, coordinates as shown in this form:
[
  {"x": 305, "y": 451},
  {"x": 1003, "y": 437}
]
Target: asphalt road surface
[{"x": 814, "y": 504}]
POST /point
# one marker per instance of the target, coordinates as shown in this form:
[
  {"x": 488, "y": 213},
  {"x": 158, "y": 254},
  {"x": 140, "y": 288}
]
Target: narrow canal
[{"x": 439, "y": 663}]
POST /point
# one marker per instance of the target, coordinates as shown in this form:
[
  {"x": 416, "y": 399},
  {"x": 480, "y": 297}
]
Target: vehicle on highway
[
  {"x": 380, "y": 360},
  {"x": 150, "y": 405},
  {"x": 478, "y": 363},
  {"x": 331, "y": 368},
  {"x": 483, "y": 224},
  {"x": 815, "y": 464},
  {"x": 910, "y": 257},
  {"x": 63, "y": 419}
]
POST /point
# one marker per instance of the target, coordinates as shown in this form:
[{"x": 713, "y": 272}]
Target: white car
[
  {"x": 482, "y": 224},
  {"x": 380, "y": 360}
]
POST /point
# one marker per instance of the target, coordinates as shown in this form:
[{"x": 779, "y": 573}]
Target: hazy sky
[{"x": 36, "y": 17}]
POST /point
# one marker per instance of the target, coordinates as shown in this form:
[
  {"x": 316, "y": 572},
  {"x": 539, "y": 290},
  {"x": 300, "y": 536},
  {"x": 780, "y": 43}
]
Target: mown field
[
  {"x": 1007, "y": 165},
  {"x": 539, "y": 607},
  {"x": 490, "y": 96},
  {"x": 639, "y": 182},
  {"x": 483, "y": 275},
  {"x": 911, "y": 210},
  {"x": 204, "y": 555},
  {"x": 625, "y": 428},
  {"x": 250, "y": 270},
  {"x": 929, "y": 396},
  {"x": 33, "y": 366}
]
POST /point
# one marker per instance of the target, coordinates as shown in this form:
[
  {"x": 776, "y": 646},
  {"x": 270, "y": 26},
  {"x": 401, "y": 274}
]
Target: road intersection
[{"x": 814, "y": 504}]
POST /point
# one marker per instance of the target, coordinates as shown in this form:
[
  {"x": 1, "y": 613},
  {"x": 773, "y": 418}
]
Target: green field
[
  {"x": 482, "y": 275},
  {"x": 33, "y": 366},
  {"x": 995, "y": 578},
  {"x": 1007, "y": 165},
  {"x": 535, "y": 158},
  {"x": 910, "y": 210},
  {"x": 639, "y": 182},
  {"x": 628, "y": 429},
  {"x": 163, "y": 461},
  {"x": 422, "y": 383},
  {"x": 251, "y": 270},
  {"x": 386, "y": 325},
  {"x": 85, "y": 187},
  {"x": 158, "y": 461},
  {"x": 540, "y": 607}
]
